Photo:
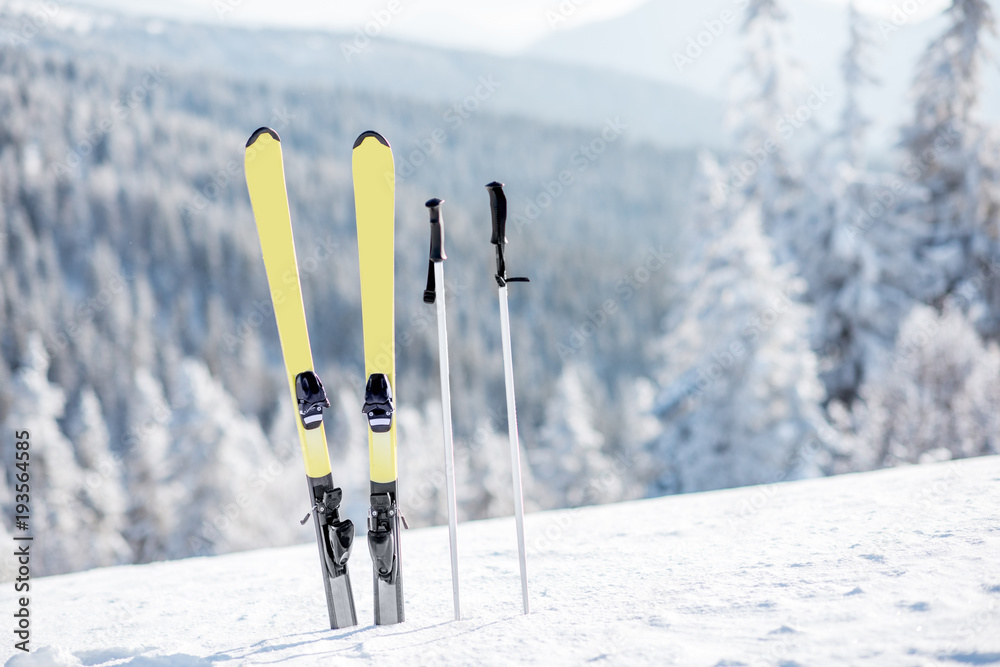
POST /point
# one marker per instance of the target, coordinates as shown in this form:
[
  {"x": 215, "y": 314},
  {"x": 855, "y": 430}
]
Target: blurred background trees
[{"x": 780, "y": 301}]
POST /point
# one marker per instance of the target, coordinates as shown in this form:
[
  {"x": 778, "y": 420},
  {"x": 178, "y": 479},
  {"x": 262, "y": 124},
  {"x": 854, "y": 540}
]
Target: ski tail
[
  {"x": 374, "y": 194},
  {"x": 334, "y": 536},
  {"x": 383, "y": 543}
]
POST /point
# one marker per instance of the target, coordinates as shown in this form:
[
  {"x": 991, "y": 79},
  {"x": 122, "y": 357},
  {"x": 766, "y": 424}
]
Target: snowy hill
[
  {"x": 644, "y": 42},
  {"x": 560, "y": 93},
  {"x": 896, "y": 567}
]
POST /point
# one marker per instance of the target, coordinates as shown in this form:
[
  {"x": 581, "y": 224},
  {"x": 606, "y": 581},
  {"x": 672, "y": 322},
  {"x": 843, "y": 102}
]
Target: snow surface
[{"x": 895, "y": 567}]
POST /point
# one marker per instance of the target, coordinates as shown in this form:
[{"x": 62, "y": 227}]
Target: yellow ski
[
  {"x": 265, "y": 176},
  {"x": 374, "y": 193}
]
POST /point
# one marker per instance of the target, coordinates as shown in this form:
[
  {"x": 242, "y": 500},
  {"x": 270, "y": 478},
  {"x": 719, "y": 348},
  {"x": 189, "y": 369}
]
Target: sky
[{"x": 502, "y": 28}]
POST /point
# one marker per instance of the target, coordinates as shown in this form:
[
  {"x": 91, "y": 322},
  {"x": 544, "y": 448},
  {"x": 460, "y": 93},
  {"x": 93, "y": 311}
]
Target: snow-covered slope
[{"x": 897, "y": 567}]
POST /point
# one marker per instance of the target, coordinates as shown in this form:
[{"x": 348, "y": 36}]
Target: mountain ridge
[{"x": 666, "y": 114}]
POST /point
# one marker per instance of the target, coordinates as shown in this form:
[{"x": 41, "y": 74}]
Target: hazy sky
[{"x": 500, "y": 27}]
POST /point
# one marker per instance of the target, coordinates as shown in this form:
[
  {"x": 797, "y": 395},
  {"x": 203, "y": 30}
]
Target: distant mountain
[
  {"x": 644, "y": 42},
  {"x": 579, "y": 75},
  {"x": 559, "y": 93}
]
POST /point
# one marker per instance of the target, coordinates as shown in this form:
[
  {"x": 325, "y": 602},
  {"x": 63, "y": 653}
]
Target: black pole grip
[
  {"x": 498, "y": 206},
  {"x": 437, "y": 230}
]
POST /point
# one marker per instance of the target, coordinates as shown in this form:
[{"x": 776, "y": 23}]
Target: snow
[{"x": 895, "y": 567}]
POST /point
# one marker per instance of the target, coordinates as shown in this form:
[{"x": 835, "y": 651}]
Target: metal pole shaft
[
  {"x": 449, "y": 443},
  {"x": 515, "y": 449}
]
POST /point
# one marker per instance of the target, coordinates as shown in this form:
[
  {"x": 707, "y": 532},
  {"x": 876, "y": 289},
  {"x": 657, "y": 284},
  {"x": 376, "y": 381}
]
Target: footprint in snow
[{"x": 973, "y": 658}]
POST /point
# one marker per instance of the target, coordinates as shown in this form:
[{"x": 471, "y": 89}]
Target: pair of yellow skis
[{"x": 374, "y": 192}]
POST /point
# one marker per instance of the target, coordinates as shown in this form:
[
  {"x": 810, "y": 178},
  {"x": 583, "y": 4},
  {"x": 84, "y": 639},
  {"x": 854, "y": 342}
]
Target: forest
[{"x": 787, "y": 307}]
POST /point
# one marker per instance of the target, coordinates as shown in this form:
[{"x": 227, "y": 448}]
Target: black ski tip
[
  {"x": 371, "y": 133},
  {"x": 431, "y": 203},
  {"x": 259, "y": 131},
  {"x": 494, "y": 185}
]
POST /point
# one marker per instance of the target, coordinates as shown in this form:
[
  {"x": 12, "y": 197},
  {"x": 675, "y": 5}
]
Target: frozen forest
[{"x": 789, "y": 301}]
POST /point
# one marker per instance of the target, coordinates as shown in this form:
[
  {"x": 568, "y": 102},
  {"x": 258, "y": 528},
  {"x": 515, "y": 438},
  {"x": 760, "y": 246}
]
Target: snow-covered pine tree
[
  {"x": 221, "y": 473},
  {"x": 855, "y": 66},
  {"x": 56, "y": 478},
  {"x": 425, "y": 498},
  {"x": 762, "y": 95},
  {"x": 482, "y": 471},
  {"x": 739, "y": 395},
  {"x": 955, "y": 157},
  {"x": 841, "y": 249},
  {"x": 938, "y": 401},
  {"x": 145, "y": 451},
  {"x": 102, "y": 498},
  {"x": 571, "y": 463},
  {"x": 930, "y": 400}
]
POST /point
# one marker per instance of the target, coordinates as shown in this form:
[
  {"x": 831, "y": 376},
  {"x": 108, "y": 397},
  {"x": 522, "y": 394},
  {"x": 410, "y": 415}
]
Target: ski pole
[
  {"x": 435, "y": 274},
  {"x": 498, "y": 207}
]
